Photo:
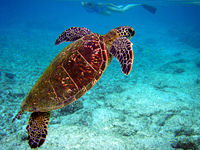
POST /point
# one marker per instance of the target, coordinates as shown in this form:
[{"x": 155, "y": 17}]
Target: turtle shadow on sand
[{"x": 72, "y": 73}]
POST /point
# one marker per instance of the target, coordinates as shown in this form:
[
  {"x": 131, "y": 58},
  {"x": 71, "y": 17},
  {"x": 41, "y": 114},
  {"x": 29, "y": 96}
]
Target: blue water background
[{"x": 28, "y": 30}]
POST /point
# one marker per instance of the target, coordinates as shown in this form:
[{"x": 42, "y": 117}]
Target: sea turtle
[{"x": 72, "y": 73}]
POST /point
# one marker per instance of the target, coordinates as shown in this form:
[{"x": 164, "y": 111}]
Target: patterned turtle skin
[{"x": 72, "y": 73}]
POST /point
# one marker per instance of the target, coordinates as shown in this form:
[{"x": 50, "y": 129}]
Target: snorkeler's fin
[
  {"x": 121, "y": 49},
  {"x": 149, "y": 8},
  {"x": 37, "y": 128},
  {"x": 72, "y": 34}
]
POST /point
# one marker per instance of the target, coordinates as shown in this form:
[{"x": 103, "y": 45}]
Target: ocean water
[{"x": 155, "y": 107}]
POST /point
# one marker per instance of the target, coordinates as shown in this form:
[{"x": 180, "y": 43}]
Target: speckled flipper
[
  {"x": 72, "y": 34},
  {"x": 121, "y": 48},
  {"x": 37, "y": 128}
]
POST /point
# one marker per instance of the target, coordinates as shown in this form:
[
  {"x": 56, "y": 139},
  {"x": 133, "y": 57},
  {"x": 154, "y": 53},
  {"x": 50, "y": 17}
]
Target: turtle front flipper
[
  {"x": 72, "y": 34},
  {"x": 37, "y": 128},
  {"x": 121, "y": 48}
]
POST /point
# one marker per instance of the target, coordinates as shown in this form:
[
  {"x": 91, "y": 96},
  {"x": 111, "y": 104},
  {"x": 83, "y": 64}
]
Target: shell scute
[
  {"x": 70, "y": 75},
  {"x": 78, "y": 70}
]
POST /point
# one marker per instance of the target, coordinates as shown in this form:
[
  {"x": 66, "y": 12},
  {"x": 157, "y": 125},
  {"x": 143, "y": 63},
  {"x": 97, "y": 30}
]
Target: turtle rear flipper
[
  {"x": 37, "y": 128},
  {"x": 121, "y": 48},
  {"x": 72, "y": 34}
]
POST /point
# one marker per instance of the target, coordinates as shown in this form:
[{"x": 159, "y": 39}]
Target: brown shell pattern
[{"x": 71, "y": 74}]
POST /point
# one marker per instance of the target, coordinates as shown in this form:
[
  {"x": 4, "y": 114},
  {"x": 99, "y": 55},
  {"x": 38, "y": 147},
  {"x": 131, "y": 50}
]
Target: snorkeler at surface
[{"x": 107, "y": 8}]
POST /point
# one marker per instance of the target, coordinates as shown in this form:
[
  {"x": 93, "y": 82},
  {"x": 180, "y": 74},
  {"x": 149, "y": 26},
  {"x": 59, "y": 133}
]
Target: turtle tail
[{"x": 18, "y": 116}]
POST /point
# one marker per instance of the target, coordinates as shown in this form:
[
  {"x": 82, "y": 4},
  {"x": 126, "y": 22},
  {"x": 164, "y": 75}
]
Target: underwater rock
[
  {"x": 127, "y": 132},
  {"x": 118, "y": 89},
  {"x": 124, "y": 130},
  {"x": 85, "y": 118},
  {"x": 198, "y": 80},
  {"x": 185, "y": 145},
  {"x": 179, "y": 61},
  {"x": 103, "y": 117},
  {"x": 198, "y": 64},
  {"x": 177, "y": 54},
  {"x": 173, "y": 67},
  {"x": 10, "y": 75},
  {"x": 179, "y": 71},
  {"x": 16, "y": 95},
  {"x": 187, "y": 132},
  {"x": 163, "y": 87},
  {"x": 167, "y": 68},
  {"x": 160, "y": 86}
]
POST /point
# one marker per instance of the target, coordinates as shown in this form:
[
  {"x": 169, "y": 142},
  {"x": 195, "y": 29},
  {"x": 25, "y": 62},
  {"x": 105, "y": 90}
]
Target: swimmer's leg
[
  {"x": 120, "y": 8},
  {"x": 105, "y": 13}
]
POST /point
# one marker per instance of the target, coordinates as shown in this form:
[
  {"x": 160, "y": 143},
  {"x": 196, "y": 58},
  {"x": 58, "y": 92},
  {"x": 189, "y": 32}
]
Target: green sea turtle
[{"x": 72, "y": 73}]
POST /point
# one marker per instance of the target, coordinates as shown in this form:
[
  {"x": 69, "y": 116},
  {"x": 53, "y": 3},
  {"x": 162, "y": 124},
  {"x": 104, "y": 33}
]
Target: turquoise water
[{"x": 156, "y": 107}]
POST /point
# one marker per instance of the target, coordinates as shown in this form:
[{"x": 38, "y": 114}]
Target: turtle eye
[{"x": 131, "y": 31}]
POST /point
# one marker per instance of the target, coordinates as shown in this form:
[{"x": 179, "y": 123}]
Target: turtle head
[
  {"x": 123, "y": 31},
  {"x": 118, "y": 45}
]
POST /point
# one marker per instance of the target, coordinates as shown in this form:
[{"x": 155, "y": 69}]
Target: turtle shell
[{"x": 70, "y": 75}]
